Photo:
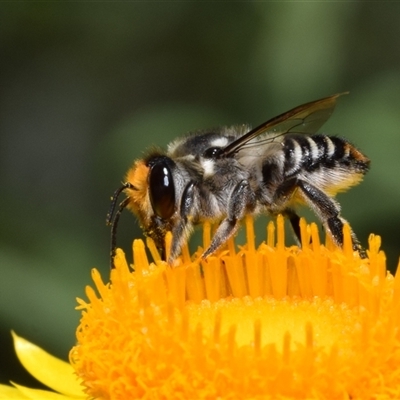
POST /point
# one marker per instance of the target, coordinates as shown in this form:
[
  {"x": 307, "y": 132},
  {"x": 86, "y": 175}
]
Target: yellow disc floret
[{"x": 271, "y": 322}]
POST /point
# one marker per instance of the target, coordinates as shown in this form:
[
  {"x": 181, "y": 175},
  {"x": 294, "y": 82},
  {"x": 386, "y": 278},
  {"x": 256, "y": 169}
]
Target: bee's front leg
[
  {"x": 183, "y": 226},
  {"x": 239, "y": 201}
]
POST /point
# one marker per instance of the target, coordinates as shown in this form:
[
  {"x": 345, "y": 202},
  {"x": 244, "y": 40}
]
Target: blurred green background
[{"x": 85, "y": 88}]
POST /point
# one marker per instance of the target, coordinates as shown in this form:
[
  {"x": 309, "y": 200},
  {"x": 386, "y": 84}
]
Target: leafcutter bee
[{"x": 223, "y": 174}]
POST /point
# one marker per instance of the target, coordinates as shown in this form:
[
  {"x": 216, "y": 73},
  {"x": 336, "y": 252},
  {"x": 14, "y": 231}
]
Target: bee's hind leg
[{"x": 328, "y": 210}]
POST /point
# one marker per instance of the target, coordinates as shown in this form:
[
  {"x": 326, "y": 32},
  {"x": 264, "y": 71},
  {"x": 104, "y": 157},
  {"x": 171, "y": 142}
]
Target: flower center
[{"x": 267, "y": 320}]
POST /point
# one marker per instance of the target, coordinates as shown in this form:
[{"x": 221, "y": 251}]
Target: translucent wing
[{"x": 307, "y": 118}]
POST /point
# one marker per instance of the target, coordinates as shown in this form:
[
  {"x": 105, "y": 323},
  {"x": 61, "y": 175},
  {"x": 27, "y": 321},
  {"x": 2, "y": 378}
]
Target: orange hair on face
[{"x": 137, "y": 176}]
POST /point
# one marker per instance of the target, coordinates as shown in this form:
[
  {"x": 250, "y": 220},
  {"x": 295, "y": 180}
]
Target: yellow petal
[
  {"x": 38, "y": 394},
  {"x": 51, "y": 371},
  {"x": 11, "y": 393}
]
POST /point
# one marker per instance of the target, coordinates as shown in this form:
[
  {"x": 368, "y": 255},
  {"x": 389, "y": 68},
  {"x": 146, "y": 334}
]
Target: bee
[{"x": 224, "y": 174}]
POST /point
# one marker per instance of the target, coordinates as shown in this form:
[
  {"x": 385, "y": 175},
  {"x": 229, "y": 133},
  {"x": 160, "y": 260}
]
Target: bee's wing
[{"x": 307, "y": 118}]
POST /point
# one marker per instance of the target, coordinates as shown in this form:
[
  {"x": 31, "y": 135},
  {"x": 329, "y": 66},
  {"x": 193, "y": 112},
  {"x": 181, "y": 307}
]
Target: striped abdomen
[{"x": 332, "y": 162}]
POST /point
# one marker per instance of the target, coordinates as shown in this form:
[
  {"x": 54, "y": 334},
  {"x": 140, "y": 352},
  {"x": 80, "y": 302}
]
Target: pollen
[{"x": 254, "y": 322}]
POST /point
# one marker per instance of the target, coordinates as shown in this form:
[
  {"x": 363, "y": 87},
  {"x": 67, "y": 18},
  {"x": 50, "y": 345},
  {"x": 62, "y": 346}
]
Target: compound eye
[
  {"x": 162, "y": 190},
  {"x": 212, "y": 152}
]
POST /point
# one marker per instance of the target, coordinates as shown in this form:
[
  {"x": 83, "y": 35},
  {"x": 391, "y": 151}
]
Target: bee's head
[{"x": 152, "y": 192}]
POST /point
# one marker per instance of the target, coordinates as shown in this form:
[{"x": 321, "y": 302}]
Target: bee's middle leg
[
  {"x": 281, "y": 198},
  {"x": 239, "y": 201},
  {"x": 294, "y": 222}
]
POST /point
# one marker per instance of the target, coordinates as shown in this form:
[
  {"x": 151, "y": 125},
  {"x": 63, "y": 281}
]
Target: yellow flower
[
  {"x": 54, "y": 373},
  {"x": 266, "y": 323},
  {"x": 273, "y": 322}
]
